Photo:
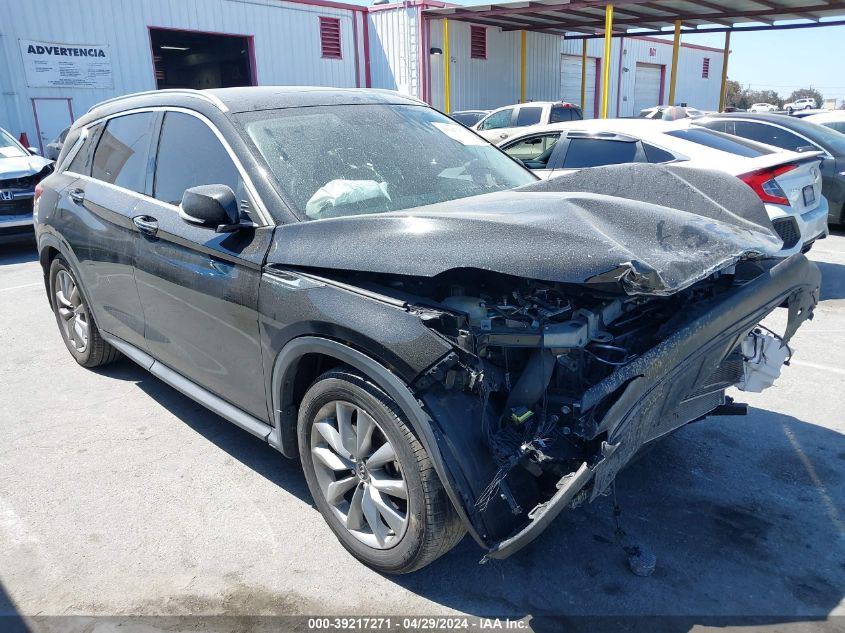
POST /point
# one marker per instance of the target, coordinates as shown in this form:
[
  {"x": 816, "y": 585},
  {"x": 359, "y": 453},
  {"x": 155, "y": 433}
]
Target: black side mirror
[{"x": 212, "y": 206}]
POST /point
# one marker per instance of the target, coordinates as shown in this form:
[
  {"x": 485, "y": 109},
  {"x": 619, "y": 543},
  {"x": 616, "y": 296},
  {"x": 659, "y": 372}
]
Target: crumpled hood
[
  {"x": 677, "y": 230},
  {"x": 19, "y": 166}
]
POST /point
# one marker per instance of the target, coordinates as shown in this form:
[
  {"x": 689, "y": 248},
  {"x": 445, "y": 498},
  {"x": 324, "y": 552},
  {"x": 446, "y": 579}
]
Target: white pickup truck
[{"x": 506, "y": 121}]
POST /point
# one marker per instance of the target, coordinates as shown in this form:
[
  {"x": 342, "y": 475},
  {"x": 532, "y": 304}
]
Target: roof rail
[{"x": 188, "y": 92}]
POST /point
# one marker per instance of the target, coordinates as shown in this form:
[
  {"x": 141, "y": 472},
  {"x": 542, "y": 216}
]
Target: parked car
[
  {"x": 799, "y": 136},
  {"x": 21, "y": 169},
  {"x": 669, "y": 113},
  {"x": 54, "y": 147},
  {"x": 808, "y": 103},
  {"x": 447, "y": 343},
  {"x": 803, "y": 114},
  {"x": 502, "y": 123},
  {"x": 788, "y": 183},
  {"x": 469, "y": 117},
  {"x": 762, "y": 107},
  {"x": 834, "y": 119}
]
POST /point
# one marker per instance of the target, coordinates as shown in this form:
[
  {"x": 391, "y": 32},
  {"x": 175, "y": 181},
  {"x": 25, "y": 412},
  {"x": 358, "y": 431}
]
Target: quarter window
[
  {"x": 534, "y": 151},
  {"x": 591, "y": 152},
  {"x": 81, "y": 163},
  {"x": 189, "y": 155},
  {"x": 655, "y": 154},
  {"x": 497, "y": 120},
  {"x": 121, "y": 157}
]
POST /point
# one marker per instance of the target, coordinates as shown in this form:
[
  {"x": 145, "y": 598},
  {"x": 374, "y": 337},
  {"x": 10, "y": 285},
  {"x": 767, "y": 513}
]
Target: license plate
[{"x": 809, "y": 195}]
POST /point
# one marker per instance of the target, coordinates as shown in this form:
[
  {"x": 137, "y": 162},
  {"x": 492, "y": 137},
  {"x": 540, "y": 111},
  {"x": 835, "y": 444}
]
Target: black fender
[
  {"x": 49, "y": 239},
  {"x": 284, "y": 409}
]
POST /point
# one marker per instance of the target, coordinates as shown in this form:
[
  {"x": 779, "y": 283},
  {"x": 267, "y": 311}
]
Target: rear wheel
[
  {"x": 76, "y": 324},
  {"x": 370, "y": 477}
]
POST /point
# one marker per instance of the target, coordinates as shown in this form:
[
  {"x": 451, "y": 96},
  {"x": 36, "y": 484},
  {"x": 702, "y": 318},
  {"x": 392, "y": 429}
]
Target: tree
[
  {"x": 733, "y": 93},
  {"x": 806, "y": 93}
]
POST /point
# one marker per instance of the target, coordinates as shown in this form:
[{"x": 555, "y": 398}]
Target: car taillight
[
  {"x": 764, "y": 184},
  {"x": 38, "y": 191}
]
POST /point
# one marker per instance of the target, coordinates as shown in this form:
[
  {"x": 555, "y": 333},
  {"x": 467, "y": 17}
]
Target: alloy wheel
[
  {"x": 359, "y": 474},
  {"x": 72, "y": 313}
]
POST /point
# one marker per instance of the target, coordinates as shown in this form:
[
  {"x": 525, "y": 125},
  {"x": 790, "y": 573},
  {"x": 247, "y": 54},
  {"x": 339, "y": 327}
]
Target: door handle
[
  {"x": 77, "y": 195},
  {"x": 146, "y": 224}
]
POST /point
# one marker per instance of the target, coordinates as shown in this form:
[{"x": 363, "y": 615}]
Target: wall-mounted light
[{"x": 435, "y": 51}]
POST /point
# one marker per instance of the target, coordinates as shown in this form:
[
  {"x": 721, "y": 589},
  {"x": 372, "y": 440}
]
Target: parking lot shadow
[
  {"x": 11, "y": 620},
  {"x": 18, "y": 252},
  {"x": 246, "y": 448},
  {"x": 745, "y": 515}
]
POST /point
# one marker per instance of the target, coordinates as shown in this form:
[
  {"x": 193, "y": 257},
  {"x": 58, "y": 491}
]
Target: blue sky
[{"x": 785, "y": 60}]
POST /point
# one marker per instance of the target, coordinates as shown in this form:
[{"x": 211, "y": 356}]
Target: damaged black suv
[{"x": 446, "y": 343}]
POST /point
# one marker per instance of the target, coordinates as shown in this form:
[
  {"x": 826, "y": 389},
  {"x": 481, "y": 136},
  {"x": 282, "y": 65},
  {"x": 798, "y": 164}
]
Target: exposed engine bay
[{"x": 538, "y": 369}]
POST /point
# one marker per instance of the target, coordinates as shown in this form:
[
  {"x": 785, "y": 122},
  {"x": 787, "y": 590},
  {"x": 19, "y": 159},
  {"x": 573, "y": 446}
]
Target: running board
[{"x": 191, "y": 389}]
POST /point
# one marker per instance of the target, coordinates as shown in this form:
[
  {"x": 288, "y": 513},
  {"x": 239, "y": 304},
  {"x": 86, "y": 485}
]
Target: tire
[
  {"x": 73, "y": 316},
  {"x": 360, "y": 494}
]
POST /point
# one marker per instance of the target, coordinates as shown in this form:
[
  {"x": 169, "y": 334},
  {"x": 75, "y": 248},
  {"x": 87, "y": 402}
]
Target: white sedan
[
  {"x": 834, "y": 119},
  {"x": 788, "y": 183},
  {"x": 762, "y": 107}
]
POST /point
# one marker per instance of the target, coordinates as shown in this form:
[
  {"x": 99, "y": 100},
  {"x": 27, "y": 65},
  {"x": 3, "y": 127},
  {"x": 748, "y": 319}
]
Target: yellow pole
[
  {"x": 605, "y": 80},
  {"x": 583, "y": 76},
  {"x": 447, "y": 97},
  {"x": 726, "y": 54},
  {"x": 676, "y": 44},
  {"x": 522, "y": 66}
]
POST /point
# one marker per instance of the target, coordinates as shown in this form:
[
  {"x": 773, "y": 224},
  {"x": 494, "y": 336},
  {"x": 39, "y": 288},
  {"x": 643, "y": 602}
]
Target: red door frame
[
  {"x": 250, "y": 41},
  {"x": 35, "y": 115}
]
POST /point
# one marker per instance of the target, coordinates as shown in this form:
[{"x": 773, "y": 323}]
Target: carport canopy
[{"x": 586, "y": 19}]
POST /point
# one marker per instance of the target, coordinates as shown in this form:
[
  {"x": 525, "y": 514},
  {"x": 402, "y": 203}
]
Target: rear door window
[
  {"x": 527, "y": 115},
  {"x": 122, "y": 154},
  {"x": 771, "y": 135},
  {"x": 722, "y": 142},
  {"x": 497, "y": 120},
  {"x": 189, "y": 155},
  {"x": 592, "y": 152}
]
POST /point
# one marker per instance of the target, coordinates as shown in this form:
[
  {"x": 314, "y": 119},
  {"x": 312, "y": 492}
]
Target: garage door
[
  {"x": 647, "y": 86},
  {"x": 570, "y": 82}
]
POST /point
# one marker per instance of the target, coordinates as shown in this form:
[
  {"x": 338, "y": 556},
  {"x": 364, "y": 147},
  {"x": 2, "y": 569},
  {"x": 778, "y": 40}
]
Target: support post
[
  {"x": 584, "y": 75},
  {"x": 726, "y": 54},
  {"x": 522, "y": 66},
  {"x": 447, "y": 97},
  {"x": 605, "y": 80},
  {"x": 673, "y": 78}
]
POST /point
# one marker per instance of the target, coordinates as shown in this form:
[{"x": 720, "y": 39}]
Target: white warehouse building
[{"x": 57, "y": 59}]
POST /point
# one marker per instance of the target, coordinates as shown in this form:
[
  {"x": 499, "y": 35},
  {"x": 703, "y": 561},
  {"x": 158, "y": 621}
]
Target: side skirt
[{"x": 189, "y": 388}]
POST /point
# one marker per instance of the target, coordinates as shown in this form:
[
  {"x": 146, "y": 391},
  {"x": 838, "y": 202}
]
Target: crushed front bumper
[{"x": 678, "y": 381}]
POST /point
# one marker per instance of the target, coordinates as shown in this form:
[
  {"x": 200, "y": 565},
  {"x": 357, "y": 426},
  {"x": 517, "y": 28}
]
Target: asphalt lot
[{"x": 120, "y": 496}]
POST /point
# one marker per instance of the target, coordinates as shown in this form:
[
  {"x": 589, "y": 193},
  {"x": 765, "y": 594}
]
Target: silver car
[{"x": 21, "y": 169}]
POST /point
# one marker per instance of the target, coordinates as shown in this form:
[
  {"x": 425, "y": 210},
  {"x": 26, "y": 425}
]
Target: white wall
[
  {"x": 494, "y": 82},
  {"x": 287, "y": 44},
  {"x": 393, "y": 51}
]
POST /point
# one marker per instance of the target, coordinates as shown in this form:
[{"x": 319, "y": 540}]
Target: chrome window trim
[
  {"x": 73, "y": 151},
  {"x": 264, "y": 216}
]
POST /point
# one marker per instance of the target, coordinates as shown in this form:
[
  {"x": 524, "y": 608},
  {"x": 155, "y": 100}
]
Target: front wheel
[
  {"x": 370, "y": 477},
  {"x": 76, "y": 323}
]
